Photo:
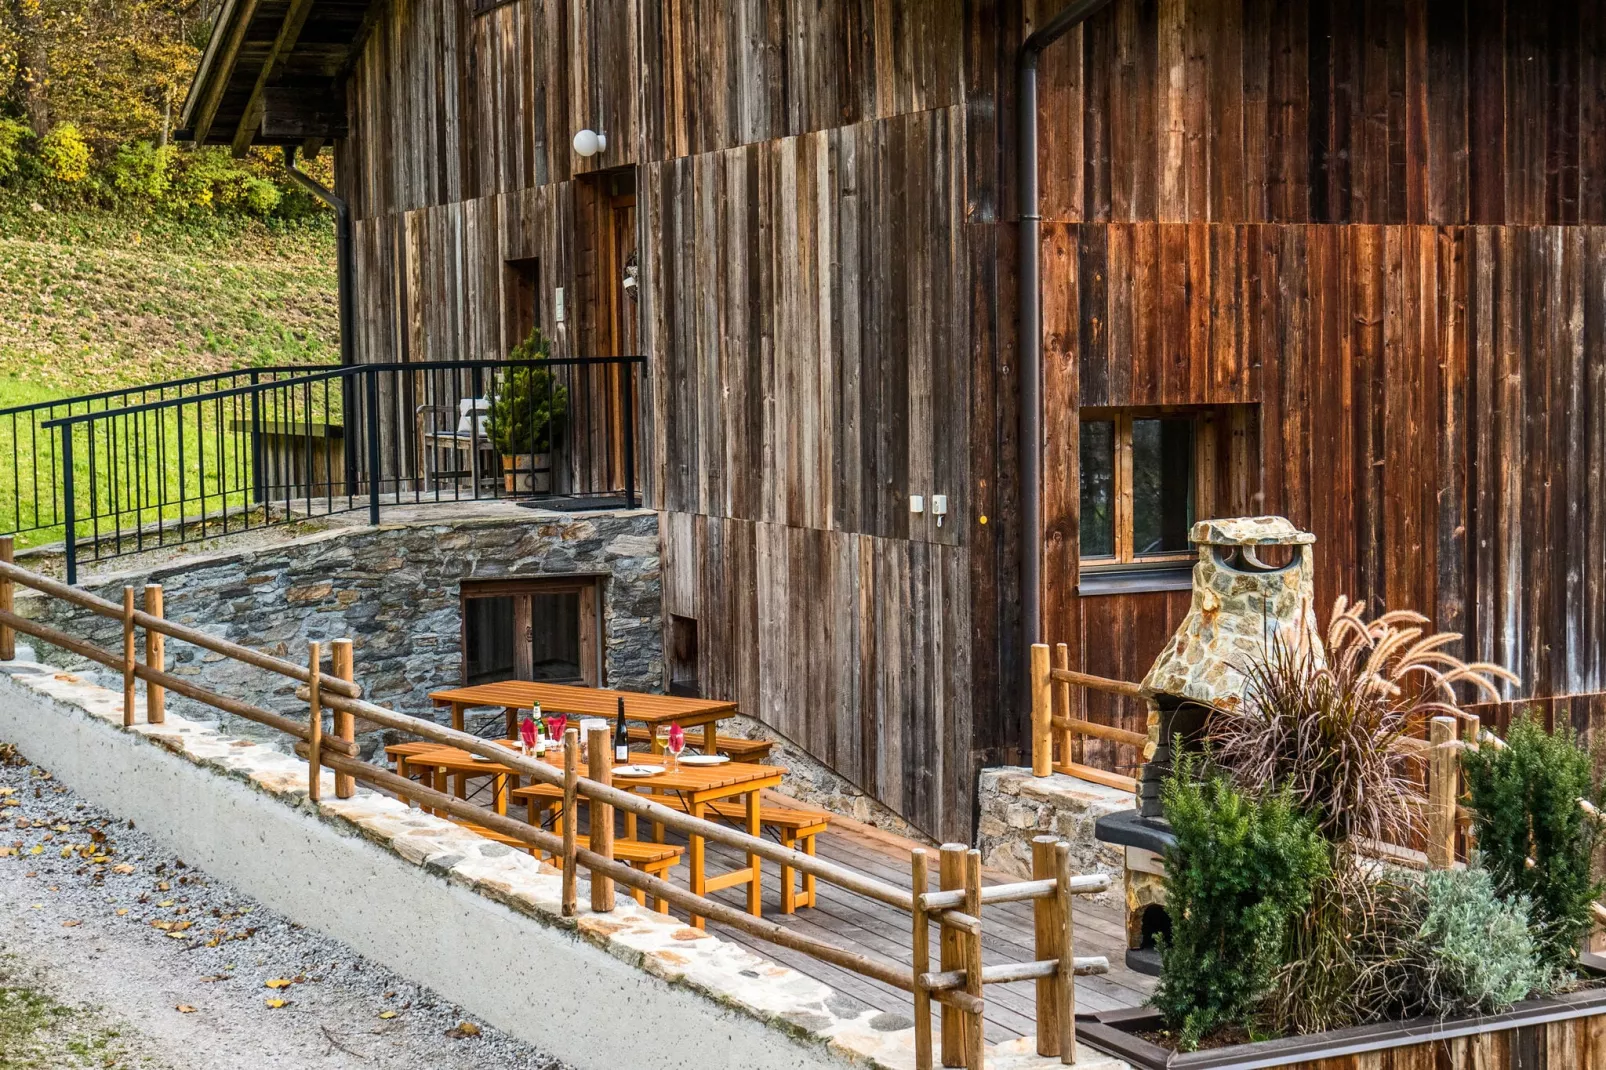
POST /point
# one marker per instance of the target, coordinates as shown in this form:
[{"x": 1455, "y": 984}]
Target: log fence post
[
  {"x": 344, "y": 666},
  {"x": 1443, "y": 781},
  {"x": 599, "y": 755},
  {"x": 1049, "y": 930},
  {"x": 951, "y": 953},
  {"x": 8, "y": 635},
  {"x": 314, "y": 723},
  {"x": 571, "y": 819},
  {"x": 155, "y": 658},
  {"x": 922, "y": 960},
  {"x": 976, "y": 1026},
  {"x": 1067, "y": 956},
  {"x": 128, "y": 657},
  {"x": 1042, "y": 713},
  {"x": 1070, "y": 742}
]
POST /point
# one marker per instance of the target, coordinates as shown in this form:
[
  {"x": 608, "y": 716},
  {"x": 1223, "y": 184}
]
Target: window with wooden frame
[
  {"x": 545, "y": 630},
  {"x": 1139, "y": 486}
]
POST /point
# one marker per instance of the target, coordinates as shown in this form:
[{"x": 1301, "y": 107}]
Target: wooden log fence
[
  {"x": 1058, "y": 727},
  {"x": 958, "y": 986}
]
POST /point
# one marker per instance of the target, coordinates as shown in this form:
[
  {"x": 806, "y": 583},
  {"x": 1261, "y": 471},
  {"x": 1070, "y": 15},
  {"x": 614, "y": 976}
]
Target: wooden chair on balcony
[{"x": 465, "y": 434}]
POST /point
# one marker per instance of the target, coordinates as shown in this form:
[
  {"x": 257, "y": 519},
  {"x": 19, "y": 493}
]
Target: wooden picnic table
[
  {"x": 695, "y": 787},
  {"x": 651, "y": 710}
]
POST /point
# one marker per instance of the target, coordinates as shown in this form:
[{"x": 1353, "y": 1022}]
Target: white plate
[
  {"x": 704, "y": 759},
  {"x": 636, "y": 770},
  {"x": 479, "y": 757}
]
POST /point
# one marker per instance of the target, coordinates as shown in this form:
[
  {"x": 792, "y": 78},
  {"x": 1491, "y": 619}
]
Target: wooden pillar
[
  {"x": 951, "y": 953},
  {"x": 1443, "y": 781},
  {"x": 571, "y": 784},
  {"x": 1070, "y": 742},
  {"x": 128, "y": 656},
  {"x": 922, "y": 961},
  {"x": 344, "y": 666},
  {"x": 155, "y": 658},
  {"x": 600, "y": 756},
  {"x": 8, "y": 635},
  {"x": 976, "y": 1026},
  {"x": 1042, "y": 713},
  {"x": 314, "y": 722},
  {"x": 1048, "y": 931},
  {"x": 1067, "y": 970}
]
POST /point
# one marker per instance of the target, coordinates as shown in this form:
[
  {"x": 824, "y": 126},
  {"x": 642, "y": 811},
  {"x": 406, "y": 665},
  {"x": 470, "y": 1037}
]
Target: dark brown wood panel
[
  {"x": 1327, "y": 111},
  {"x": 1429, "y": 401}
]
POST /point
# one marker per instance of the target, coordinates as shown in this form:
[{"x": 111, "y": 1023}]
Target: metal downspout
[
  {"x": 345, "y": 275},
  {"x": 1031, "y": 317}
]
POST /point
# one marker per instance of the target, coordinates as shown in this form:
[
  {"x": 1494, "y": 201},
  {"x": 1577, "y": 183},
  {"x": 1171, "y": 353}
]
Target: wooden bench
[
  {"x": 795, "y": 827},
  {"x": 653, "y": 859},
  {"x": 734, "y": 747}
]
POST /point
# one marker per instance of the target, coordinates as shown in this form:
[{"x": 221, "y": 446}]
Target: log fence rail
[{"x": 958, "y": 986}]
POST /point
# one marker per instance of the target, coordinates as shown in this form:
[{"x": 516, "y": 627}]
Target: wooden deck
[{"x": 855, "y": 921}]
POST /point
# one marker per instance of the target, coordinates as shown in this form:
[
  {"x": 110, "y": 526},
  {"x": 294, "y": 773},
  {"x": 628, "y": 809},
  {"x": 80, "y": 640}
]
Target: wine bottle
[{"x": 621, "y": 736}]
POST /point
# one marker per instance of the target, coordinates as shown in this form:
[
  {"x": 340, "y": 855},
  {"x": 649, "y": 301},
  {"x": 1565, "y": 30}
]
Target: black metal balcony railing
[{"x": 276, "y": 446}]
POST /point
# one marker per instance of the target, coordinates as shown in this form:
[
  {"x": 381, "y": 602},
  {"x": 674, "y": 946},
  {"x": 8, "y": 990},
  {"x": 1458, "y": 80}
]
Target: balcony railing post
[
  {"x": 155, "y": 658},
  {"x": 69, "y": 503},
  {"x": 372, "y": 420},
  {"x": 259, "y": 493},
  {"x": 630, "y": 435},
  {"x": 600, "y": 757}
]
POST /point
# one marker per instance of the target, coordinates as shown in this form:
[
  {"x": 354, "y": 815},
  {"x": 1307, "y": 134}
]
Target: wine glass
[{"x": 675, "y": 744}]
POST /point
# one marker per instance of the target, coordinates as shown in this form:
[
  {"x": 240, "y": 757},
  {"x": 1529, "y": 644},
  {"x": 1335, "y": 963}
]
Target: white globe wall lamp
[{"x": 588, "y": 143}]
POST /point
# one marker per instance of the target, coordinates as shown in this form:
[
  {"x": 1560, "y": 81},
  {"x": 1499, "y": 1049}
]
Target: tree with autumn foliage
[{"x": 89, "y": 90}]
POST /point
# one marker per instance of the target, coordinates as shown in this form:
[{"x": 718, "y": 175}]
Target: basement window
[
  {"x": 1137, "y": 497},
  {"x": 547, "y": 631}
]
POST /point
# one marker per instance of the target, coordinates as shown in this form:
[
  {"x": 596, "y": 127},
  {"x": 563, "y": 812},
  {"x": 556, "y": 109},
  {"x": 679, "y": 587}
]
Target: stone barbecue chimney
[{"x": 1239, "y": 606}]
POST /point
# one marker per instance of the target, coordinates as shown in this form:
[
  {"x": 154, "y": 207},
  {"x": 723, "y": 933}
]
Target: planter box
[{"x": 1560, "y": 1033}]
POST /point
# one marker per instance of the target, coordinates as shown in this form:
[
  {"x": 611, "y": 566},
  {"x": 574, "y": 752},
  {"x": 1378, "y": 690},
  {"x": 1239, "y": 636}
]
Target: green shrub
[
  {"x": 140, "y": 173},
  {"x": 530, "y": 403},
  {"x": 1525, "y": 806},
  {"x": 12, "y": 136},
  {"x": 65, "y": 154},
  {"x": 1241, "y": 868},
  {"x": 1473, "y": 952}
]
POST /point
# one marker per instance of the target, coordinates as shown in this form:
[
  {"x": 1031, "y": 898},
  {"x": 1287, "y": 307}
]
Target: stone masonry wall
[{"x": 393, "y": 590}]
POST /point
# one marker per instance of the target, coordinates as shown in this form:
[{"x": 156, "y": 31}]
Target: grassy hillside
[
  {"x": 91, "y": 302},
  {"x": 94, "y": 302}
]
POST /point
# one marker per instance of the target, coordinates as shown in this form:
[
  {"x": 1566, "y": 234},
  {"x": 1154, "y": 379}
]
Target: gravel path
[{"x": 171, "y": 969}]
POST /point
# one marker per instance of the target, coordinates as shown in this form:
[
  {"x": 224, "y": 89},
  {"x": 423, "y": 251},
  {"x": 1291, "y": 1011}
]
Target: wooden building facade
[{"x": 1360, "y": 247}]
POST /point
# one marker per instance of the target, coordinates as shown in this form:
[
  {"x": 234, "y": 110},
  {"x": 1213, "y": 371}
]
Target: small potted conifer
[{"x": 526, "y": 414}]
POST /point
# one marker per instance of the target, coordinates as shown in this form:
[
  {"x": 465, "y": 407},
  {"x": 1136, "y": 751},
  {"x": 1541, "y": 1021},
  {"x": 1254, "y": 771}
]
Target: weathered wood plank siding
[
  {"x": 802, "y": 192},
  {"x": 1429, "y": 403}
]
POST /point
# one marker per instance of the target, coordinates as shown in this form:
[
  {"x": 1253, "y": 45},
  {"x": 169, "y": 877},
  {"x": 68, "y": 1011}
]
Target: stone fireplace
[{"x": 1241, "y": 603}]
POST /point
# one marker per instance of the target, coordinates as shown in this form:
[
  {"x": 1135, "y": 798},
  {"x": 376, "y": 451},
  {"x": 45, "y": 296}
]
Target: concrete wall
[{"x": 393, "y": 590}]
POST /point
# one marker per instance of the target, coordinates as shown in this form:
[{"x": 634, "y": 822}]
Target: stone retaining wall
[
  {"x": 1017, "y": 806},
  {"x": 393, "y": 590}
]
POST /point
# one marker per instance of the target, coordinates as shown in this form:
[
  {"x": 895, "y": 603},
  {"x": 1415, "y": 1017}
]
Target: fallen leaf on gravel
[
  {"x": 7, "y": 851},
  {"x": 185, "y": 1008},
  {"x": 162, "y": 925},
  {"x": 66, "y": 852},
  {"x": 122, "y": 911},
  {"x": 216, "y": 977},
  {"x": 71, "y": 924},
  {"x": 8, "y": 791},
  {"x": 100, "y": 860},
  {"x": 387, "y": 1014},
  {"x": 463, "y": 1030},
  {"x": 181, "y": 926},
  {"x": 165, "y": 903},
  {"x": 278, "y": 982},
  {"x": 163, "y": 886},
  {"x": 36, "y": 849},
  {"x": 275, "y": 1003},
  {"x": 63, "y": 828},
  {"x": 123, "y": 868}
]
